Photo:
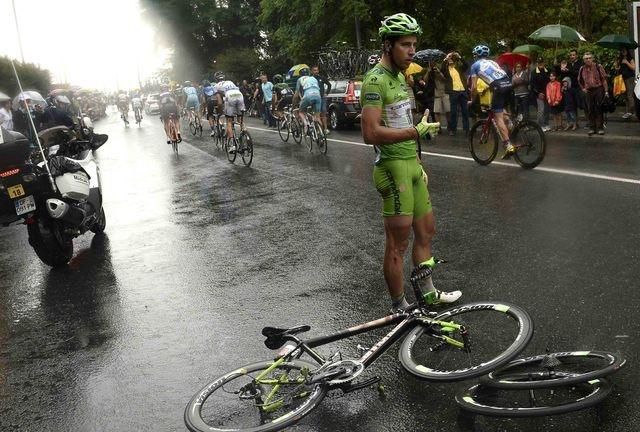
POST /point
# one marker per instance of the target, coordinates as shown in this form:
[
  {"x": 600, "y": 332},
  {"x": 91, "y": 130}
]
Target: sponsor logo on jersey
[{"x": 372, "y": 97}]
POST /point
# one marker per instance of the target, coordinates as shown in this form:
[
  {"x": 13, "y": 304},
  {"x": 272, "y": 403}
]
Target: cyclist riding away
[
  {"x": 497, "y": 79},
  {"x": 398, "y": 173},
  {"x": 209, "y": 102},
  {"x": 136, "y": 104},
  {"x": 283, "y": 95},
  {"x": 123, "y": 106},
  {"x": 308, "y": 88},
  {"x": 191, "y": 95},
  {"x": 229, "y": 95},
  {"x": 168, "y": 106},
  {"x": 325, "y": 89}
]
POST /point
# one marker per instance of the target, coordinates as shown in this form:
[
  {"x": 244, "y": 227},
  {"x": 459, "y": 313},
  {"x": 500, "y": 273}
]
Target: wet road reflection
[{"x": 199, "y": 255}]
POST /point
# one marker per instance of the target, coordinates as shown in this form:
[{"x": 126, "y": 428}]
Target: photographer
[{"x": 454, "y": 69}]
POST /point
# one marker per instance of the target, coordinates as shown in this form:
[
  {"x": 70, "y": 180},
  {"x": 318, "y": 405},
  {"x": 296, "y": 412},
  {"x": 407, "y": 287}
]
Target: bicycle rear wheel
[
  {"x": 296, "y": 131},
  {"x": 483, "y": 144},
  {"x": 530, "y": 143},
  {"x": 309, "y": 136},
  {"x": 322, "y": 139},
  {"x": 242, "y": 401},
  {"x": 246, "y": 143},
  {"x": 193, "y": 127},
  {"x": 517, "y": 403},
  {"x": 555, "y": 369},
  {"x": 231, "y": 155},
  {"x": 283, "y": 129},
  {"x": 493, "y": 333}
]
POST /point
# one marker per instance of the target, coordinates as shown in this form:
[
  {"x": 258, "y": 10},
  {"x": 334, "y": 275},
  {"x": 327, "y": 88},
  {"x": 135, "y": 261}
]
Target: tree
[{"x": 31, "y": 77}]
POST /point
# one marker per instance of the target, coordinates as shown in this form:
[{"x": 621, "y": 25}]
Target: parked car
[
  {"x": 152, "y": 104},
  {"x": 343, "y": 103}
]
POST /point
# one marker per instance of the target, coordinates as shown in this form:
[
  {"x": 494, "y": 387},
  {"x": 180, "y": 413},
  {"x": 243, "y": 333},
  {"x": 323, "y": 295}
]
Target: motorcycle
[{"x": 59, "y": 198}]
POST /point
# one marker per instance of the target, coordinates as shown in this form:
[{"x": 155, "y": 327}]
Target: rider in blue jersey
[
  {"x": 308, "y": 89},
  {"x": 191, "y": 94},
  {"x": 498, "y": 80}
]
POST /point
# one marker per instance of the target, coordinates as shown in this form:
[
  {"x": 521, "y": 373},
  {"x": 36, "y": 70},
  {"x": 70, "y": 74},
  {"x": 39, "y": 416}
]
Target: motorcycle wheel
[
  {"x": 101, "y": 223},
  {"x": 54, "y": 248}
]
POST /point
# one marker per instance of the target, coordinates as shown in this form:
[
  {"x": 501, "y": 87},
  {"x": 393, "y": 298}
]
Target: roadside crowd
[{"x": 556, "y": 92}]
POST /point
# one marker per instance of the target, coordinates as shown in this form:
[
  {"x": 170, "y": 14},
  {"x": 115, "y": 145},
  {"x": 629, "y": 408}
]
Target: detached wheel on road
[{"x": 483, "y": 144}]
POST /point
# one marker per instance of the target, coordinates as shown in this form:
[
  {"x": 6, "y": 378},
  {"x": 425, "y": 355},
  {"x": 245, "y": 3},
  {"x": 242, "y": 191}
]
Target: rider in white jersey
[
  {"x": 498, "y": 80},
  {"x": 229, "y": 94}
]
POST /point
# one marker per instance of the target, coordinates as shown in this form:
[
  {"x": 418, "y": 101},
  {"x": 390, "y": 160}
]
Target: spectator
[
  {"x": 593, "y": 82},
  {"x": 626, "y": 66},
  {"x": 6, "y": 115},
  {"x": 554, "y": 99},
  {"x": 570, "y": 69},
  {"x": 570, "y": 103},
  {"x": 454, "y": 70},
  {"x": 424, "y": 90},
  {"x": 267, "y": 96},
  {"x": 441, "y": 103},
  {"x": 539, "y": 80},
  {"x": 245, "y": 89},
  {"x": 520, "y": 83}
]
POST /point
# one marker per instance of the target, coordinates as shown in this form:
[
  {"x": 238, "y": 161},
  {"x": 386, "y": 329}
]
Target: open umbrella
[
  {"x": 36, "y": 99},
  {"x": 428, "y": 55},
  {"x": 527, "y": 49},
  {"x": 511, "y": 59},
  {"x": 4, "y": 97},
  {"x": 295, "y": 70},
  {"x": 615, "y": 41},
  {"x": 557, "y": 33},
  {"x": 413, "y": 68}
]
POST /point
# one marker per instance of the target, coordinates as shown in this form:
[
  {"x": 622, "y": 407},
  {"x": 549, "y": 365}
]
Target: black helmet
[
  {"x": 219, "y": 76},
  {"x": 277, "y": 78}
]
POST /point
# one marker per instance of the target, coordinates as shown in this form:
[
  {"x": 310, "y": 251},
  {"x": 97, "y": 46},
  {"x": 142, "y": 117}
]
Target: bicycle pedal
[{"x": 360, "y": 385}]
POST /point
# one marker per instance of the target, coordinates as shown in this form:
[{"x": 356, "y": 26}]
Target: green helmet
[{"x": 399, "y": 24}]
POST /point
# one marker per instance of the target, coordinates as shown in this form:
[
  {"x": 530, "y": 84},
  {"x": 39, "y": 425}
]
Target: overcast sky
[{"x": 91, "y": 43}]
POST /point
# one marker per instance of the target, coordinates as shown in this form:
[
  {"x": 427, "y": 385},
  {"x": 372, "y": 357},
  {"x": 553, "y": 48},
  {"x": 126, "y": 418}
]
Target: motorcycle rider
[{"x": 58, "y": 114}]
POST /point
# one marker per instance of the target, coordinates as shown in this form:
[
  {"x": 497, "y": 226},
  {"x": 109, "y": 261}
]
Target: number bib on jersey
[{"x": 398, "y": 114}]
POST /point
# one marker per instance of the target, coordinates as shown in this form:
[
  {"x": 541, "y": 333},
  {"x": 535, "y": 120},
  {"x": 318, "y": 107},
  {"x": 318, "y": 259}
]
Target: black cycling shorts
[
  {"x": 211, "y": 108},
  {"x": 284, "y": 102},
  {"x": 167, "y": 109},
  {"x": 501, "y": 89}
]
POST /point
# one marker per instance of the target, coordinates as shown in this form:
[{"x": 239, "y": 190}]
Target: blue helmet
[{"x": 481, "y": 51}]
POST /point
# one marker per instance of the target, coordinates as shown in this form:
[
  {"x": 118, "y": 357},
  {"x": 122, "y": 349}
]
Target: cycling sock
[{"x": 399, "y": 302}]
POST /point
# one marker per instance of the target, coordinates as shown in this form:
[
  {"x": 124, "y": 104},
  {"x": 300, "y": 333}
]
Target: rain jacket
[{"x": 554, "y": 93}]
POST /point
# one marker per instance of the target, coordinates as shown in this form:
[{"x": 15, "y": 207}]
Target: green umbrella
[
  {"x": 527, "y": 49},
  {"x": 616, "y": 41},
  {"x": 558, "y": 33}
]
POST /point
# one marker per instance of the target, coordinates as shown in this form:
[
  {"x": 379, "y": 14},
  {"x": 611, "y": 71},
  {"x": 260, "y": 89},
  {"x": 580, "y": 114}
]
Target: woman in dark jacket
[{"x": 626, "y": 66}]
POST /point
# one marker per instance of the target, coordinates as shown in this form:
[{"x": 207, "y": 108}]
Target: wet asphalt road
[{"x": 199, "y": 255}]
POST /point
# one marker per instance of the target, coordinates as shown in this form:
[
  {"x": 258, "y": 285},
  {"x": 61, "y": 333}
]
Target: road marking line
[{"x": 465, "y": 158}]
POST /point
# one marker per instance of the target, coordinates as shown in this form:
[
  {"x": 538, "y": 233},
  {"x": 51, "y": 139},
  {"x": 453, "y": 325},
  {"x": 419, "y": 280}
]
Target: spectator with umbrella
[
  {"x": 570, "y": 69},
  {"x": 454, "y": 70},
  {"x": 626, "y": 66}
]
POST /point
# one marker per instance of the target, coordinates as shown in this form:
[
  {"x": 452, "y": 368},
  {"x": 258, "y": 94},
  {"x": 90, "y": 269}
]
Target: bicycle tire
[
  {"x": 309, "y": 138},
  {"x": 522, "y": 138},
  {"x": 283, "y": 130},
  {"x": 247, "y": 143},
  {"x": 193, "y": 411},
  {"x": 322, "y": 139},
  {"x": 468, "y": 400},
  {"x": 480, "y": 146},
  {"x": 509, "y": 377},
  {"x": 193, "y": 127},
  {"x": 523, "y": 331},
  {"x": 296, "y": 131},
  {"x": 231, "y": 156}
]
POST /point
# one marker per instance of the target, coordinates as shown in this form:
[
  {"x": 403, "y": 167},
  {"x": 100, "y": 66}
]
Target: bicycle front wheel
[
  {"x": 249, "y": 400},
  {"x": 483, "y": 142},
  {"x": 283, "y": 130},
  {"x": 530, "y": 143},
  {"x": 193, "y": 127},
  {"x": 246, "y": 143},
  {"x": 478, "y": 338}
]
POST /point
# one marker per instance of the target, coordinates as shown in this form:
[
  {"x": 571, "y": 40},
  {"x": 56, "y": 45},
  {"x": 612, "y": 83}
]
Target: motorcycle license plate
[
  {"x": 25, "y": 205},
  {"x": 15, "y": 191}
]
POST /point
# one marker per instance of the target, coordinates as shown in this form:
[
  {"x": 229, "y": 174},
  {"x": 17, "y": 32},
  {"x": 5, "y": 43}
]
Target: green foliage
[
  {"x": 238, "y": 64},
  {"x": 31, "y": 77}
]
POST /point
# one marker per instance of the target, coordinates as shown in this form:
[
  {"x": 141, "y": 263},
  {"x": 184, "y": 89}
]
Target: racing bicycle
[
  {"x": 243, "y": 144},
  {"x": 314, "y": 132},
  {"x": 174, "y": 137},
  {"x": 288, "y": 125},
  {"x": 526, "y": 136},
  {"x": 456, "y": 344},
  {"x": 138, "y": 115},
  {"x": 195, "y": 123}
]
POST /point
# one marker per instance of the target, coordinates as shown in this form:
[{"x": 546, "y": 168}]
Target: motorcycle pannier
[{"x": 14, "y": 151}]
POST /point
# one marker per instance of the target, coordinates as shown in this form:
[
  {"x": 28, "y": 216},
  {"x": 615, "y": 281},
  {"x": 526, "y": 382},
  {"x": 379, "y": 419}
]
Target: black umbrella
[{"x": 428, "y": 56}]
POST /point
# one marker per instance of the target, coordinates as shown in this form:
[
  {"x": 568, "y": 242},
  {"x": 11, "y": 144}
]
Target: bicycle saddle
[{"x": 275, "y": 336}]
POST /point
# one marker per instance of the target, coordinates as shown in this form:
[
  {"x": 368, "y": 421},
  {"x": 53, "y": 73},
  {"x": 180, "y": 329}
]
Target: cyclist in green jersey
[{"x": 398, "y": 173}]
